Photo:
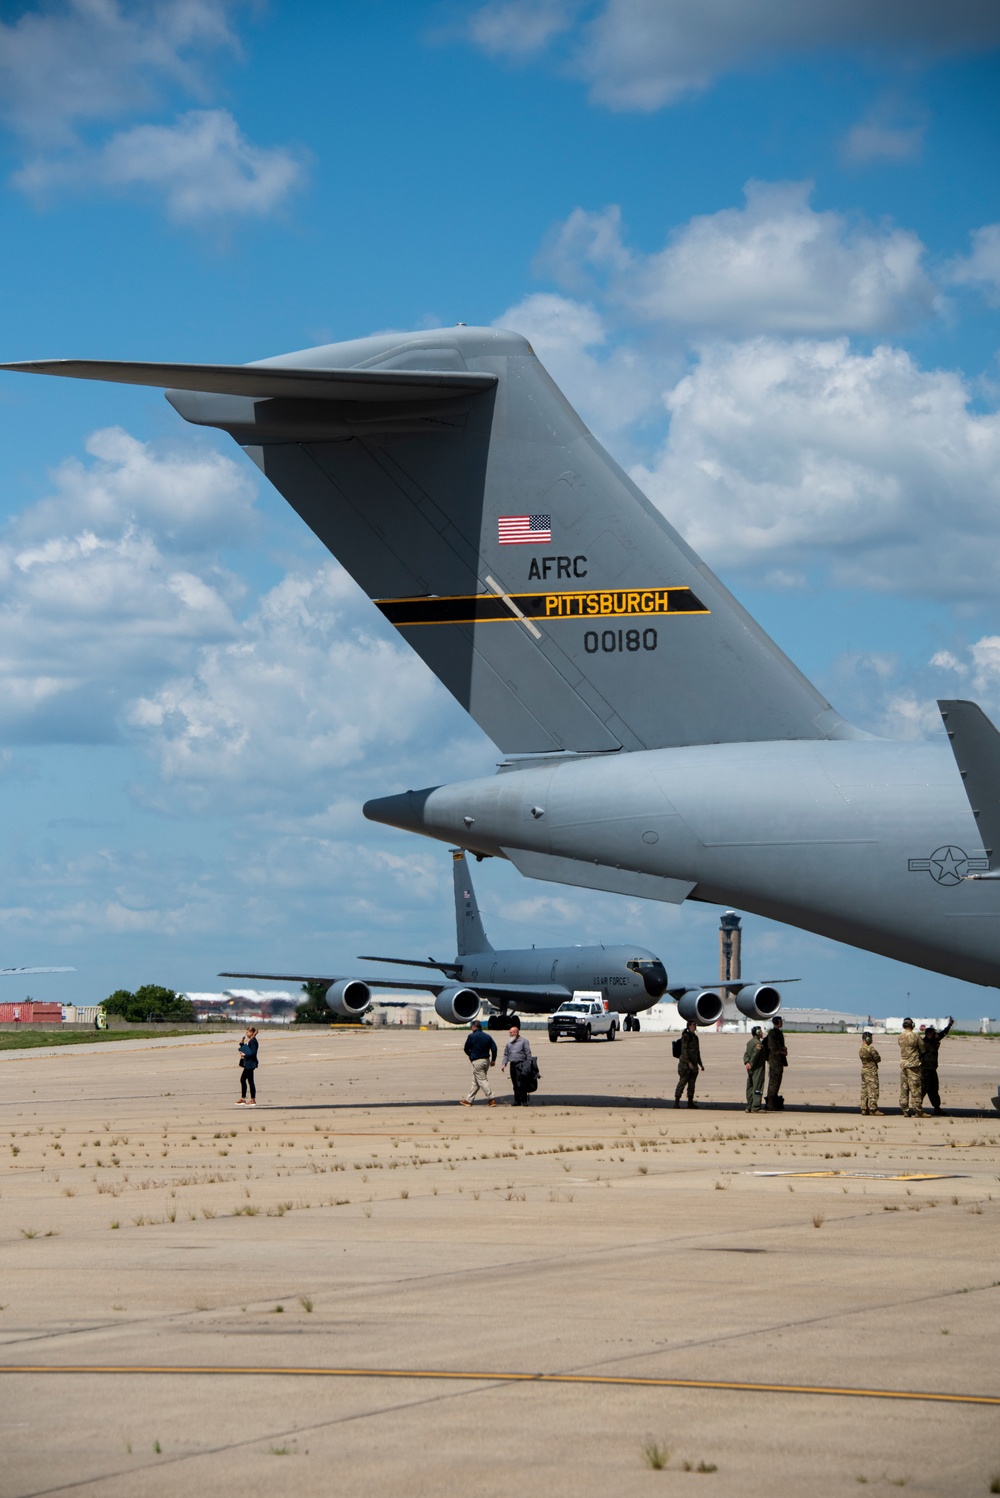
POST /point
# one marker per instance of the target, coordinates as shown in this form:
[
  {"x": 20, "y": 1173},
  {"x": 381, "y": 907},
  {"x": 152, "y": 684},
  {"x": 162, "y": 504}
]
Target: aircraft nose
[{"x": 405, "y": 811}]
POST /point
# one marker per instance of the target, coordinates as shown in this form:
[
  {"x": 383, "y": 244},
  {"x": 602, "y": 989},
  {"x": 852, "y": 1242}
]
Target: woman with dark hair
[{"x": 248, "y": 1062}]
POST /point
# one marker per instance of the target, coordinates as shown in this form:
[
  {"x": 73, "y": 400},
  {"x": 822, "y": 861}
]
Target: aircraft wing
[
  {"x": 733, "y": 985},
  {"x": 434, "y": 985},
  {"x": 536, "y": 998},
  {"x": 269, "y": 380},
  {"x": 8, "y": 972}
]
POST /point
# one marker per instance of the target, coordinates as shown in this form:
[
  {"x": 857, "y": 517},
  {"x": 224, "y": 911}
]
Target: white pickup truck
[{"x": 583, "y": 1018}]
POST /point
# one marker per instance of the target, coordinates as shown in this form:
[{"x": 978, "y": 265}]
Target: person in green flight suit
[
  {"x": 929, "y": 1064},
  {"x": 689, "y": 1065},
  {"x": 754, "y": 1062},
  {"x": 777, "y": 1060}
]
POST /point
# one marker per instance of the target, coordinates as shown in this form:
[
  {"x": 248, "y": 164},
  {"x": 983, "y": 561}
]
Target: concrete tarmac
[{"x": 360, "y": 1218}]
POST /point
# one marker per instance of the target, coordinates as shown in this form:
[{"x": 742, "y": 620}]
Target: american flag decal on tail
[{"x": 524, "y": 530}]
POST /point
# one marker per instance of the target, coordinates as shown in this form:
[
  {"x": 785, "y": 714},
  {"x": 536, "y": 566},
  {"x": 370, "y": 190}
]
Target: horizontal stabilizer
[
  {"x": 269, "y": 380},
  {"x": 451, "y": 969},
  {"x": 598, "y": 876},
  {"x": 975, "y": 744}
]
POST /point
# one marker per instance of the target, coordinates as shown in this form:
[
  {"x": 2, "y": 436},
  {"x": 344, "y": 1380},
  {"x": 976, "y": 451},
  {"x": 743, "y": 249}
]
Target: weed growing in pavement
[
  {"x": 656, "y": 1454},
  {"x": 305, "y": 1301},
  {"x": 281, "y": 1450},
  {"x": 29, "y": 1232},
  {"x": 818, "y": 1219},
  {"x": 157, "y": 1447}
]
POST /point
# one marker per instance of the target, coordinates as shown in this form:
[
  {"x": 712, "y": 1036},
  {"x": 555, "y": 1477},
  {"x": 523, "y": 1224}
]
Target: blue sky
[{"x": 759, "y": 247}]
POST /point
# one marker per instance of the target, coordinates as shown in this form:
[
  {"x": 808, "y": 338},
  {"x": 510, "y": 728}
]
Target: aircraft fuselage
[
  {"x": 866, "y": 841},
  {"x": 629, "y": 989}
]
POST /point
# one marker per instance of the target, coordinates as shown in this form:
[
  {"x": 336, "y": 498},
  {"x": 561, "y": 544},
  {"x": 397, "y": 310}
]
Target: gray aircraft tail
[
  {"x": 469, "y": 934},
  {"x": 452, "y": 479}
]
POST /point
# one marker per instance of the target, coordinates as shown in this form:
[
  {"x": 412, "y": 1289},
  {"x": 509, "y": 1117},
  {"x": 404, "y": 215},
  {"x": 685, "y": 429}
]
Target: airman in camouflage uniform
[
  {"x": 911, "y": 1052},
  {"x": 870, "y": 1059},
  {"x": 689, "y": 1065},
  {"x": 754, "y": 1060}
]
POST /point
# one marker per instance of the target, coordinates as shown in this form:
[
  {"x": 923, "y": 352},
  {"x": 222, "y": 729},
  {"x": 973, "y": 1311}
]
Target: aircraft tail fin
[
  {"x": 469, "y": 933},
  {"x": 449, "y": 475}
]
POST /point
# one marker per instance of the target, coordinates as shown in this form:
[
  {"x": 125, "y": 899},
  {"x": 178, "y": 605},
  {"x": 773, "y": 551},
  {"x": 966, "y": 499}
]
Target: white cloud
[
  {"x": 785, "y": 454},
  {"x": 67, "y": 70},
  {"x": 981, "y": 268},
  {"x": 643, "y": 54},
  {"x": 520, "y": 28},
  {"x": 202, "y": 166},
  {"x": 775, "y": 265},
  {"x": 873, "y": 140},
  {"x": 91, "y": 60},
  {"x": 308, "y": 690},
  {"x": 110, "y": 582}
]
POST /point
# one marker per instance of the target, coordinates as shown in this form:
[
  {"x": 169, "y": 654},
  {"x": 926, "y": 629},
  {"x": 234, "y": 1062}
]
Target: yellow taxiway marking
[
  {"x": 859, "y": 1175},
  {"x": 464, "y": 1375}
]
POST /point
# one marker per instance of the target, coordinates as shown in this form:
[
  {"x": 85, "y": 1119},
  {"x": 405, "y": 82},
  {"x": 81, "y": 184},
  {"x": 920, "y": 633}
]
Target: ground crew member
[
  {"x": 777, "y": 1060},
  {"x": 753, "y": 1060},
  {"x": 870, "y": 1059},
  {"x": 929, "y": 1064},
  {"x": 911, "y": 1053},
  {"x": 689, "y": 1065},
  {"x": 481, "y": 1050}
]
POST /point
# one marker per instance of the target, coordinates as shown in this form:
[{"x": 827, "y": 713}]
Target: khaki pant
[
  {"x": 911, "y": 1089},
  {"x": 481, "y": 1078},
  {"x": 869, "y": 1089}
]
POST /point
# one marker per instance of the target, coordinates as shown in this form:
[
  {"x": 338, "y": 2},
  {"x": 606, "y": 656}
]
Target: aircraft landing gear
[
  {"x": 502, "y": 1021},
  {"x": 630, "y": 1022}
]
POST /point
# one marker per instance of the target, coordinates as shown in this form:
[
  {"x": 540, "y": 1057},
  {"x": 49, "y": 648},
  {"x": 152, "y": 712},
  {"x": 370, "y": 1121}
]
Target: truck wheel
[
  {"x": 613, "y": 1031},
  {"x": 587, "y": 1032},
  {"x": 553, "y": 1036}
]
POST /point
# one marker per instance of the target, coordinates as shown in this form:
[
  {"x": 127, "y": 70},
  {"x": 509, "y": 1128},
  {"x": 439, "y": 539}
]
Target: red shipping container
[{"x": 30, "y": 1012}]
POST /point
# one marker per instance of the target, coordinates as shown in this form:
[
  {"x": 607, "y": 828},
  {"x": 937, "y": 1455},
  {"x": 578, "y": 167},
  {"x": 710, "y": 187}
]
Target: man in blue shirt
[{"x": 481, "y": 1049}]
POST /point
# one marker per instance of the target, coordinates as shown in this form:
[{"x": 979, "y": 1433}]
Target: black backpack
[{"x": 676, "y": 1046}]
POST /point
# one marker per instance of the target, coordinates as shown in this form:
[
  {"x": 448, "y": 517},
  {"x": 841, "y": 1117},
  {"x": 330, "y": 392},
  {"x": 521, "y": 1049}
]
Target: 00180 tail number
[{"x": 610, "y": 641}]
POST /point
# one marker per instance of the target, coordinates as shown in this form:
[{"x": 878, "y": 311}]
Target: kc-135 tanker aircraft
[
  {"x": 536, "y": 980},
  {"x": 659, "y": 743}
]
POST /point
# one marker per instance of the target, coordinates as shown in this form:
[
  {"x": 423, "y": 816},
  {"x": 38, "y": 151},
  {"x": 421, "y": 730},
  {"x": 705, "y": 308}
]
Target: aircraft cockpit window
[{"x": 653, "y": 974}]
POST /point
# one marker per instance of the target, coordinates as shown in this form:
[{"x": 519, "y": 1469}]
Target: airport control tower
[{"x": 730, "y": 941}]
